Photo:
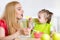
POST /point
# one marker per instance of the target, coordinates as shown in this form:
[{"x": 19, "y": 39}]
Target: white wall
[
  {"x": 31, "y": 7},
  {"x": 3, "y": 4}
]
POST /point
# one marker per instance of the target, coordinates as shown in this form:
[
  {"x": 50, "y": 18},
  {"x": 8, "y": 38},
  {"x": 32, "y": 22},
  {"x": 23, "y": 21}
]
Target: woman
[{"x": 9, "y": 25}]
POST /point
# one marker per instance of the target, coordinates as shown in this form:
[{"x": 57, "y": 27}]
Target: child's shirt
[{"x": 45, "y": 28}]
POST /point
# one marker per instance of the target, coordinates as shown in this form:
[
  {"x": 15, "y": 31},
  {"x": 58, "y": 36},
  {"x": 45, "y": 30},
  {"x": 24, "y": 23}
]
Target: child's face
[{"x": 41, "y": 18}]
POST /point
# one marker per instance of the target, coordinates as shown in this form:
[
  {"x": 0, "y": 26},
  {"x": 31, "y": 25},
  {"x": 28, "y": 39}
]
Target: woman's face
[{"x": 19, "y": 11}]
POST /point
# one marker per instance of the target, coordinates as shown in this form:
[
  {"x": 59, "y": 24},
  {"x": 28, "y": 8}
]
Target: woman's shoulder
[{"x": 2, "y": 23}]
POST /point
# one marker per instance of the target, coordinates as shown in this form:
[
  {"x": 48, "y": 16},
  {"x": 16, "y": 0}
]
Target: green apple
[
  {"x": 56, "y": 36},
  {"x": 45, "y": 37}
]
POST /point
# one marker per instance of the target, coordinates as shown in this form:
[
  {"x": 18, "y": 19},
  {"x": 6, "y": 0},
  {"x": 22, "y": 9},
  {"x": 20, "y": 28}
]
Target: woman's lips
[{"x": 22, "y": 15}]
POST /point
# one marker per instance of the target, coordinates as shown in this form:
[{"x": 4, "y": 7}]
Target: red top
[{"x": 4, "y": 25}]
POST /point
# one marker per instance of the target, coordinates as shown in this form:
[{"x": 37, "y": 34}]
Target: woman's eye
[
  {"x": 38, "y": 16},
  {"x": 19, "y": 9}
]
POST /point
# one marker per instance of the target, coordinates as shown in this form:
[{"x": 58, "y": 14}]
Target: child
[{"x": 42, "y": 24}]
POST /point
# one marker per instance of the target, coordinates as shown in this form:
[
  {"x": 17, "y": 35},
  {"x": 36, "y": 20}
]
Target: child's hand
[
  {"x": 30, "y": 23},
  {"x": 52, "y": 34},
  {"x": 30, "y": 19}
]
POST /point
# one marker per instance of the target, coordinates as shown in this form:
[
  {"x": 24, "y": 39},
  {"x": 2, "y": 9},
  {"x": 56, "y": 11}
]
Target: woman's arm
[
  {"x": 2, "y": 32},
  {"x": 11, "y": 37}
]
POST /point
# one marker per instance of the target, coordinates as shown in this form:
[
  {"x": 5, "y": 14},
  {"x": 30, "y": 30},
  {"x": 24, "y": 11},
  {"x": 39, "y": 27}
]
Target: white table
[{"x": 26, "y": 38}]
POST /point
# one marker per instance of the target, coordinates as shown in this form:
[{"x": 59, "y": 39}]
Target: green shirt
[{"x": 45, "y": 28}]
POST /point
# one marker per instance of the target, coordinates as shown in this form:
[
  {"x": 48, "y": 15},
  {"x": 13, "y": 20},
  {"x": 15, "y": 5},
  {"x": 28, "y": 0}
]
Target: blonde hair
[{"x": 10, "y": 17}]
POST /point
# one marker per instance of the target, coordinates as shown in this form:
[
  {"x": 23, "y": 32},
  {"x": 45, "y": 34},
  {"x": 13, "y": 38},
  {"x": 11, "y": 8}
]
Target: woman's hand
[{"x": 25, "y": 31}]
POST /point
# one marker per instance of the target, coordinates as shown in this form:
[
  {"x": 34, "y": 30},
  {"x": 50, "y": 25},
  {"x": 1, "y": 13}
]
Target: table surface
[{"x": 26, "y": 38}]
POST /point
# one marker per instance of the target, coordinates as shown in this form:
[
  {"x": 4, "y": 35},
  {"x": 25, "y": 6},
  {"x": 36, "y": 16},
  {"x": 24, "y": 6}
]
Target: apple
[
  {"x": 56, "y": 36},
  {"x": 37, "y": 34},
  {"x": 45, "y": 37}
]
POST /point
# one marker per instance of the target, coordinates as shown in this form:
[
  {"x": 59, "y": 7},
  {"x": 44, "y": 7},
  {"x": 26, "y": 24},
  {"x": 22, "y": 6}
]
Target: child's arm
[
  {"x": 53, "y": 26},
  {"x": 30, "y": 23},
  {"x": 53, "y": 30}
]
